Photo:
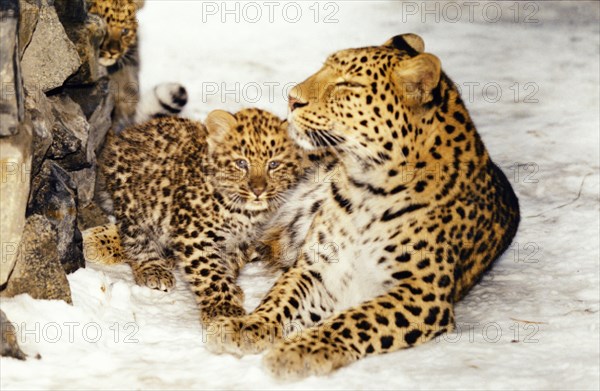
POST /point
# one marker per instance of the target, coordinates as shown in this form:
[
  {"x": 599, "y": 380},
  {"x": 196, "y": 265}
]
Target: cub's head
[
  {"x": 121, "y": 23},
  {"x": 352, "y": 103},
  {"x": 251, "y": 157}
]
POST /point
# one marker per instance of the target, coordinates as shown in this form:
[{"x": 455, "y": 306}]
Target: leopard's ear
[
  {"x": 218, "y": 124},
  {"x": 409, "y": 43},
  {"x": 139, "y": 4},
  {"x": 416, "y": 77}
]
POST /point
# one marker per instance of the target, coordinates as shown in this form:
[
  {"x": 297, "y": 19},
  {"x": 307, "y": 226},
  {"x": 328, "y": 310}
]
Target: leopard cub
[{"x": 197, "y": 196}]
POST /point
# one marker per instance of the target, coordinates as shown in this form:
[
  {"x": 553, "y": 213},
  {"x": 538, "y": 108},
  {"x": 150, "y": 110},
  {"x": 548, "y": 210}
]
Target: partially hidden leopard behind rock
[{"x": 120, "y": 55}]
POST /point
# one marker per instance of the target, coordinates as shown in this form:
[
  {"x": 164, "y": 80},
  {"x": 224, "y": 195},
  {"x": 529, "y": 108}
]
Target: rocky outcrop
[
  {"x": 39, "y": 272},
  {"x": 50, "y": 57},
  {"x": 54, "y": 195},
  {"x": 55, "y": 112},
  {"x": 8, "y": 340},
  {"x": 11, "y": 105}
]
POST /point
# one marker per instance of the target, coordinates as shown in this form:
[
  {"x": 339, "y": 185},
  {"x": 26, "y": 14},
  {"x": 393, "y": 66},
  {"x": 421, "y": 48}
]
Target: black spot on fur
[{"x": 412, "y": 336}]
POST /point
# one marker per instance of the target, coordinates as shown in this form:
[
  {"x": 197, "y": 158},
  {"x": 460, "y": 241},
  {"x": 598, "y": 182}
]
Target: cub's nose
[
  {"x": 258, "y": 190},
  {"x": 295, "y": 103}
]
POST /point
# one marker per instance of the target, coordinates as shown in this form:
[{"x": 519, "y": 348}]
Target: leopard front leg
[
  {"x": 146, "y": 256},
  {"x": 397, "y": 320},
  {"x": 297, "y": 300},
  {"x": 211, "y": 272}
]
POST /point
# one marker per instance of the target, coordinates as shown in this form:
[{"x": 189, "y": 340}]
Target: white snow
[{"x": 147, "y": 339}]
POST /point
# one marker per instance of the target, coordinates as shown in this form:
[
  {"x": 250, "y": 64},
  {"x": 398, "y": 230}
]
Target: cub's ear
[
  {"x": 410, "y": 43},
  {"x": 416, "y": 77},
  {"x": 284, "y": 125},
  {"x": 218, "y": 124}
]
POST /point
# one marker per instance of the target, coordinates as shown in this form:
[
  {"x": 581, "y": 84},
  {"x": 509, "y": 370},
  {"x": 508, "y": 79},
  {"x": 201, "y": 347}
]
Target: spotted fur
[
  {"x": 102, "y": 245},
  {"x": 197, "y": 196},
  {"x": 381, "y": 247}
]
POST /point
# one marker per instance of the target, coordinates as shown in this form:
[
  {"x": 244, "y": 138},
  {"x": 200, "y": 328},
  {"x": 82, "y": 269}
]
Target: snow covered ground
[{"x": 532, "y": 323}]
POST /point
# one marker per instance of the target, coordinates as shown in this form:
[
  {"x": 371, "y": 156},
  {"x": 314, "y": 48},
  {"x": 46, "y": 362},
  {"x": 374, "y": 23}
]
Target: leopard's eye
[
  {"x": 241, "y": 163},
  {"x": 125, "y": 31},
  {"x": 349, "y": 84},
  {"x": 274, "y": 164}
]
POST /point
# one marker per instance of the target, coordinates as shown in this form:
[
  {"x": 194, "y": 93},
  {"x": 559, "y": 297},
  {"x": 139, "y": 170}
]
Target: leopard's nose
[{"x": 295, "y": 103}]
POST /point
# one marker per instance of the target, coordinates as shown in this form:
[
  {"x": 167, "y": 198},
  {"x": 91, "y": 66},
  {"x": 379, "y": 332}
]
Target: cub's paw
[
  {"x": 238, "y": 336},
  {"x": 155, "y": 277},
  {"x": 291, "y": 361}
]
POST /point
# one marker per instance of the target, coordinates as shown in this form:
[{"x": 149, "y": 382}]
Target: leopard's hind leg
[{"x": 102, "y": 245}]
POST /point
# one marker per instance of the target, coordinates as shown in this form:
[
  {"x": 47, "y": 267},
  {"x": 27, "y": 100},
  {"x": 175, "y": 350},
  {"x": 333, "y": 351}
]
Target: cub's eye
[
  {"x": 274, "y": 164},
  {"x": 349, "y": 84},
  {"x": 241, "y": 163},
  {"x": 125, "y": 31}
]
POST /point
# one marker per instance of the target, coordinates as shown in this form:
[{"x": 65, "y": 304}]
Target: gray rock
[
  {"x": 97, "y": 104},
  {"x": 71, "y": 11},
  {"x": 54, "y": 195},
  {"x": 15, "y": 155},
  {"x": 11, "y": 101},
  {"x": 51, "y": 57},
  {"x": 38, "y": 271},
  {"x": 8, "y": 340},
  {"x": 70, "y": 134},
  {"x": 38, "y": 113},
  {"x": 28, "y": 18},
  {"x": 85, "y": 181}
]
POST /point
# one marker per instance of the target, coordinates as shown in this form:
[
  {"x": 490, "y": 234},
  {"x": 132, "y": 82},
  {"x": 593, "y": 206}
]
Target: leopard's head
[
  {"x": 121, "y": 28},
  {"x": 358, "y": 96},
  {"x": 251, "y": 157}
]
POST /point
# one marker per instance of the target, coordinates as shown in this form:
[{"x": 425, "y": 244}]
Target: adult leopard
[{"x": 413, "y": 213}]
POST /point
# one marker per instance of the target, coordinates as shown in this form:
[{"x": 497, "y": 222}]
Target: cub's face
[
  {"x": 121, "y": 23},
  {"x": 252, "y": 159},
  {"x": 359, "y": 95}
]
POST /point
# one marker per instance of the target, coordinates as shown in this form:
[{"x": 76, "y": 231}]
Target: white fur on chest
[{"x": 354, "y": 275}]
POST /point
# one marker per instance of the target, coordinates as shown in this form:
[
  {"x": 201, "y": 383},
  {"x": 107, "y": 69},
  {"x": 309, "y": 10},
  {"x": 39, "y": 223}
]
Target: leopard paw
[
  {"x": 239, "y": 336},
  {"x": 291, "y": 361},
  {"x": 154, "y": 277}
]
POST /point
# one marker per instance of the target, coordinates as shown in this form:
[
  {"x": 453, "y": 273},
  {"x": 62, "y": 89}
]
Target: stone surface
[
  {"x": 54, "y": 195},
  {"x": 97, "y": 104},
  {"x": 55, "y": 112},
  {"x": 38, "y": 112},
  {"x": 51, "y": 57},
  {"x": 11, "y": 99},
  {"x": 38, "y": 271},
  {"x": 71, "y": 11},
  {"x": 8, "y": 339},
  {"x": 70, "y": 134},
  {"x": 15, "y": 171},
  {"x": 85, "y": 181},
  {"x": 28, "y": 18}
]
